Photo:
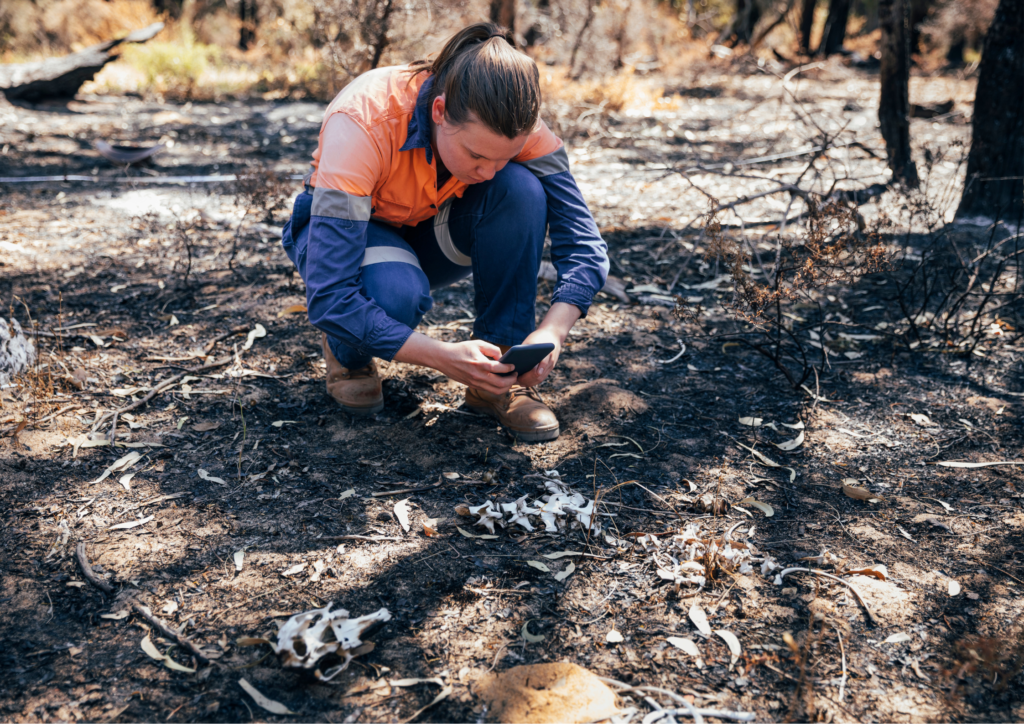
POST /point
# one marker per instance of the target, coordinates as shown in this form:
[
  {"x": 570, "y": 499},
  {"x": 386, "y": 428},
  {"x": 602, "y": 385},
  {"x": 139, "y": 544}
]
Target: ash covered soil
[{"x": 130, "y": 283}]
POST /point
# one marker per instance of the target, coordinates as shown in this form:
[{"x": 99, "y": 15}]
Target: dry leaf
[
  {"x": 733, "y": 643},
  {"x": 126, "y": 480},
  {"x": 297, "y": 568},
  {"x": 151, "y": 650},
  {"x": 451, "y": 476},
  {"x": 292, "y": 309},
  {"x": 466, "y": 533},
  {"x": 211, "y": 478},
  {"x": 859, "y": 493},
  {"x": 169, "y": 607},
  {"x": 529, "y": 636},
  {"x": 402, "y": 510},
  {"x": 132, "y": 524},
  {"x": 119, "y": 616},
  {"x": 239, "y": 556},
  {"x": 274, "y": 707},
  {"x": 954, "y": 588},
  {"x": 175, "y": 666},
  {"x": 118, "y": 465},
  {"x": 347, "y": 494},
  {"x": 566, "y": 573},
  {"x": 768, "y": 461},
  {"x": 953, "y": 464},
  {"x": 255, "y": 333},
  {"x": 905, "y": 534},
  {"x": 539, "y": 566},
  {"x": 768, "y": 510},
  {"x": 700, "y": 619},
  {"x": 878, "y": 571},
  {"x": 206, "y": 426},
  {"x": 561, "y": 554},
  {"x": 688, "y": 647},
  {"x": 282, "y": 423},
  {"x": 791, "y": 444},
  {"x": 751, "y": 421},
  {"x": 430, "y": 527},
  {"x": 921, "y": 420},
  {"x": 897, "y": 638},
  {"x": 614, "y": 637}
]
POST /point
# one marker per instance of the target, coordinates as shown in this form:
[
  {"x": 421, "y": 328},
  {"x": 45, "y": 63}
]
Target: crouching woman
[{"x": 425, "y": 174}]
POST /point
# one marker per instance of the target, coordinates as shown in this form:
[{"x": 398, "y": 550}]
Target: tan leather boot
[
  {"x": 520, "y": 410},
  {"x": 357, "y": 391}
]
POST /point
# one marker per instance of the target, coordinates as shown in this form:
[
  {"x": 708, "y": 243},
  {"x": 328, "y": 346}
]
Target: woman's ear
[{"x": 437, "y": 110}]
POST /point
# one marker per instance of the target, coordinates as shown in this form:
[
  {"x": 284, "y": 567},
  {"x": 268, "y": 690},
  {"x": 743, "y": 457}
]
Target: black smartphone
[{"x": 526, "y": 356}]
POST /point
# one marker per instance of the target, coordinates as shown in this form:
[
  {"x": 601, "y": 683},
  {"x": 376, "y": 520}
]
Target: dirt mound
[
  {"x": 542, "y": 693},
  {"x": 598, "y": 399}
]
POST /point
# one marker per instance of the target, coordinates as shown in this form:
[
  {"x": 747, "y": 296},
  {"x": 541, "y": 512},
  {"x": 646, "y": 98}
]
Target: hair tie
[{"x": 497, "y": 35}]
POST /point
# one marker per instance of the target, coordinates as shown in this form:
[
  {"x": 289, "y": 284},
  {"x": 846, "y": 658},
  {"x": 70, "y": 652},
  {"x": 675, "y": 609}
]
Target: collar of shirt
[{"x": 418, "y": 134}]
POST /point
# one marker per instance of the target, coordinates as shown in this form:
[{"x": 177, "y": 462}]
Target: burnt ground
[{"x": 101, "y": 269}]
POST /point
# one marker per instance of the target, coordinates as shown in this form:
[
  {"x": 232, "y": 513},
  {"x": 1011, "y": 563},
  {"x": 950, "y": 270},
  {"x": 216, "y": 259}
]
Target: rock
[{"x": 546, "y": 693}]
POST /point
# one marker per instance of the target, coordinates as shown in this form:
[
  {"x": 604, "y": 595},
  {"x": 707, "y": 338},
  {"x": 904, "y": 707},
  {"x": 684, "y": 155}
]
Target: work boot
[
  {"x": 357, "y": 391},
  {"x": 520, "y": 410}
]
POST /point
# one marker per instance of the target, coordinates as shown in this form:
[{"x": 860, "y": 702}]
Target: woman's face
[{"x": 471, "y": 152}]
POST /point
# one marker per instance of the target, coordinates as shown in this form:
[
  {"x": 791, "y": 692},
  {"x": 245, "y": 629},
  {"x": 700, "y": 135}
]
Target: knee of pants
[
  {"x": 520, "y": 191},
  {"x": 400, "y": 289}
]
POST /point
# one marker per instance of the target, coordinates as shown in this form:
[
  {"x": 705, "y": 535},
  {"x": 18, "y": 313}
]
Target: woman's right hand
[{"x": 473, "y": 363}]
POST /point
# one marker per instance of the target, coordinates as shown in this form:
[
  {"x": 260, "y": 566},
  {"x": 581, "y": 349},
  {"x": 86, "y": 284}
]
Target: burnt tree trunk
[
  {"x": 994, "y": 187},
  {"x": 380, "y": 27},
  {"x": 62, "y": 77},
  {"x": 503, "y": 13},
  {"x": 247, "y": 14},
  {"x": 894, "y": 105},
  {"x": 806, "y": 23},
  {"x": 748, "y": 12},
  {"x": 835, "y": 27}
]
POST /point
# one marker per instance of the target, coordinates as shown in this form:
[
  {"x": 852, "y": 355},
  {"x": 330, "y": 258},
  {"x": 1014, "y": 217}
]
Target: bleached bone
[{"x": 307, "y": 637}]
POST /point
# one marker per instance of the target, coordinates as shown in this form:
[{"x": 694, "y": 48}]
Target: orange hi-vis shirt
[
  {"x": 365, "y": 131},
  {"x": 374, "y": 164}
]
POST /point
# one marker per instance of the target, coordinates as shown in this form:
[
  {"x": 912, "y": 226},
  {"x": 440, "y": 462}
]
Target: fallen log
[{"x": 56, "y": 78}]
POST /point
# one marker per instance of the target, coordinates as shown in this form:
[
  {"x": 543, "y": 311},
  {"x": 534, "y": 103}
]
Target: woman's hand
[
  {"x": 473, "y": 363},
  {"x": 554, "y": 329}
]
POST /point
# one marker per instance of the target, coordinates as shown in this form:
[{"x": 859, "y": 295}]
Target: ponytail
[{"x": 482, "y": 73}]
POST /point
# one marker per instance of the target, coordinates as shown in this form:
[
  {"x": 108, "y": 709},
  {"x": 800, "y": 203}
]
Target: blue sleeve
[
  {"x": 334, "y": 294},
  {"x": 578, "y": 252}
]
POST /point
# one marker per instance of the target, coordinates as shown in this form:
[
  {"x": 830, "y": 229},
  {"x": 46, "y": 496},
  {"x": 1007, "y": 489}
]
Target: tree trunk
[
  {"x": 994, "y": 187},
  {"x": 894, "y": 105},
  {"x": 381, "y": 39},
  {"x": 748, "y": 12},
  {"x": 247, "y": 14},
  {"x": 806, "y": 23},
  {"x": 579, "y": 39},
  {"x": 503, "y": 13},
  {"x": 62, "y": 77},
  {"x": 835, "y": 27}
]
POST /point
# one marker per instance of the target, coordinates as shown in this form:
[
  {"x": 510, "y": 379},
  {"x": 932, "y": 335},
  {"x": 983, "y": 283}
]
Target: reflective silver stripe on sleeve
[
  {"x": 381, "y": 254},
  {"x": 554, "y": 162},
  {"x": 338, "y": 204},
  {"x": 444, "y": 237}
]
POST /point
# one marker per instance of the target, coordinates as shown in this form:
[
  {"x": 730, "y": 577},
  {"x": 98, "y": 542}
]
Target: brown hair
[{"x": 481, "y": 72}]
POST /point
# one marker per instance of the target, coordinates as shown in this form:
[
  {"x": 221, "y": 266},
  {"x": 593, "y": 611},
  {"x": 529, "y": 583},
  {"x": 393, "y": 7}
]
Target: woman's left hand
[
  {"x": 539, "y": 373},
  {"x": 554, "y": 329}
]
